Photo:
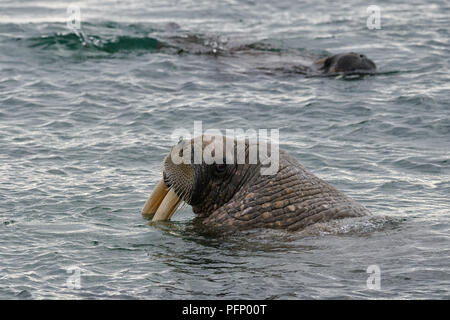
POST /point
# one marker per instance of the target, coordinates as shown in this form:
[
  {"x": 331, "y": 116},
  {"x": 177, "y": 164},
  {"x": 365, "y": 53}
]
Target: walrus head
[
  {"x": 347, "y": 62},
  {"x": 239, "y": 192}
]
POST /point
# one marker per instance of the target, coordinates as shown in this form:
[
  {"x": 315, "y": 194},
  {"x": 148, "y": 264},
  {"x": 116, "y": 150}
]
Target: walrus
[
  {"x": 263, "y": 56},
  {"x": 237, "y": 194},
  {"x": 345, "y": 63},
  {"x": 342, "y": 63}
]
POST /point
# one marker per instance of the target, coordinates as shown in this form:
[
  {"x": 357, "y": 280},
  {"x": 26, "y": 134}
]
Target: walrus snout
[
  {"x": 348, "y": 62},
  {"x": 165, "y": 198}
]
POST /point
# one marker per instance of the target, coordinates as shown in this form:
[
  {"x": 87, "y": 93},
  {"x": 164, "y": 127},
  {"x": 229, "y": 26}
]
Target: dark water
[{"x": 86, "y": 118}]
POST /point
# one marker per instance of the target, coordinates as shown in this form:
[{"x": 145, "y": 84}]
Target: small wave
[
  {"x": 125, "y": 43},
  {"x": 351, "y": 226},
  {"x": 81, "y": 42},
  {"x": 24, "y": 294}
]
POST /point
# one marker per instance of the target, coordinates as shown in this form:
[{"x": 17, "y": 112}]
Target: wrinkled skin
[
  {"x": 238, "y": 196},
  {"x": 347, "y": 62}
]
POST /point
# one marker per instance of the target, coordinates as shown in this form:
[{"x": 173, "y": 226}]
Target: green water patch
[{"x": 80, "y": 42}]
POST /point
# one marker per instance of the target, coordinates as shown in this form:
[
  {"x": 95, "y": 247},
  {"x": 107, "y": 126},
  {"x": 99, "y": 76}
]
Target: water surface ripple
[{"x": 86, "y": 118}]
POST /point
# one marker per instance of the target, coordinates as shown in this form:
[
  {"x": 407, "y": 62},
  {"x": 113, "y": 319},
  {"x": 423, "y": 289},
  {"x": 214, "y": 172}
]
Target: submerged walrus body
[
  {"x": 261, "y": 56},
  {"x": 292, "y": 63},
  {"x": 238, "y": 195}
]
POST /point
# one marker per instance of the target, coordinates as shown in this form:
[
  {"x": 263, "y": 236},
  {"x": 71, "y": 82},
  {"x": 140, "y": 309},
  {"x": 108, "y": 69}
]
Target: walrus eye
[{"x": 220, "y": 168}]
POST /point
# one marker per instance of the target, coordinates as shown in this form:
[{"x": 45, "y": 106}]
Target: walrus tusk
[
  {"x": 155, "y": 199},
  {"x": 167, "y": 207}
]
